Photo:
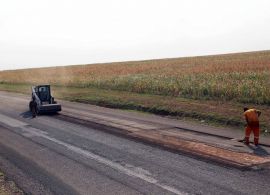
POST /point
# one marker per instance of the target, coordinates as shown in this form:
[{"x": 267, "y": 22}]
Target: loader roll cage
[{"x": 43, "y": 94}]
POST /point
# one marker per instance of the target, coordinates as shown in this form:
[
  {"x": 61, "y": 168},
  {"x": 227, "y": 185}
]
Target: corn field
[{"x": 243, "y": 77}]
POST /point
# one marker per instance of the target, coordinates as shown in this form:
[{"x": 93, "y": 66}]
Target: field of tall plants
[{"x": 242, "y": 77}]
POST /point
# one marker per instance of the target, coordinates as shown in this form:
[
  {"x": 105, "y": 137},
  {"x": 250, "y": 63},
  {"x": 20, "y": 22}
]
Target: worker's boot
[
  {"x": 256, "y": 141},
  {"x": 246, "y": 141}
]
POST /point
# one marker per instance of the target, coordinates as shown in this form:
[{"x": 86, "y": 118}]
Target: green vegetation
[{"x": 242, "y": 87}]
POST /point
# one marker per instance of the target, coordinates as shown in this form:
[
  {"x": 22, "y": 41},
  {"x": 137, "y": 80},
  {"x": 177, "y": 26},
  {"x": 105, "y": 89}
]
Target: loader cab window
[
  {"x": 43, "y": 89},
  {"x": 44, "y": 93}
]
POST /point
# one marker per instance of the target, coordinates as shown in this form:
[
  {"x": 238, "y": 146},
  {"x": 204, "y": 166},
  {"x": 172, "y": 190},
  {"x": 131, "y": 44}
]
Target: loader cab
[{"x": 44, "y": 94}]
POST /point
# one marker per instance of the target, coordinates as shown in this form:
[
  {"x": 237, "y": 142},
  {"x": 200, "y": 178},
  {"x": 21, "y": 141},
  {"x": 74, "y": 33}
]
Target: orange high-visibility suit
[{"x": 252, "y": 118}]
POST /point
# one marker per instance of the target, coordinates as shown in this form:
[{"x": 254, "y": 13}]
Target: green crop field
[{"x": 230, "y": 81}]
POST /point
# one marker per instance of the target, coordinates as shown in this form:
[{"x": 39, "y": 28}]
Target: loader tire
[{"x": 30, "y": 106}]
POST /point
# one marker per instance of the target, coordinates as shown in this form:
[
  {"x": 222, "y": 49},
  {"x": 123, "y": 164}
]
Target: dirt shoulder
[{"x": 8, "y": 187}]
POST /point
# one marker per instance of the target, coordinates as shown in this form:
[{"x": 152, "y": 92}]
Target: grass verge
[{"x": 215, "y": 112}]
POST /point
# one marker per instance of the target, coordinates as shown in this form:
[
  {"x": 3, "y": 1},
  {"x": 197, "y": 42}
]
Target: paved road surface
[{"x": 48, "y": 155}]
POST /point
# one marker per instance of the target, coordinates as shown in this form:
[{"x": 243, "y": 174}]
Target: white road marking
[{"x": 129, "y": 170}]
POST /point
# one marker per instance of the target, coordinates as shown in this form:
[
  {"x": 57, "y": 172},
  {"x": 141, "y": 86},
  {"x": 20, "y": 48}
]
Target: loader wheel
[
  {"x": 33, "y": 111},
  {"x": 30, "y": 106},
  {"x": 33, "y": 108},
  {"x": 37, "y": 111}
]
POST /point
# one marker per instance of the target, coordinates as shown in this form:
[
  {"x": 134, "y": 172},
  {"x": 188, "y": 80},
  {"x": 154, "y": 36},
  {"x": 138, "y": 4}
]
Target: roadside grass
[{"x": 210, "y": 111}]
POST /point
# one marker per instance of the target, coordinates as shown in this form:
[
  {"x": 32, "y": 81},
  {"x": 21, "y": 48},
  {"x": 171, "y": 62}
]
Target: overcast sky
[{"x": 36, "y": 33}]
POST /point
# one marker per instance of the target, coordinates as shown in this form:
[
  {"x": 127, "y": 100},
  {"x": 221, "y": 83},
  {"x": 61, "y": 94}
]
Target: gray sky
[{"x": 35, "y": 33}]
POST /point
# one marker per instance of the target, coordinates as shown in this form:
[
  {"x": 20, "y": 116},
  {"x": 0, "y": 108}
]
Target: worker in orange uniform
[{"x": 252, "y": 118}]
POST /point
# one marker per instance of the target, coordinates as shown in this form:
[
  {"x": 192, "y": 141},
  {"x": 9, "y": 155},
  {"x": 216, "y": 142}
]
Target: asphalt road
[{"x": 48, "y": 155}]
